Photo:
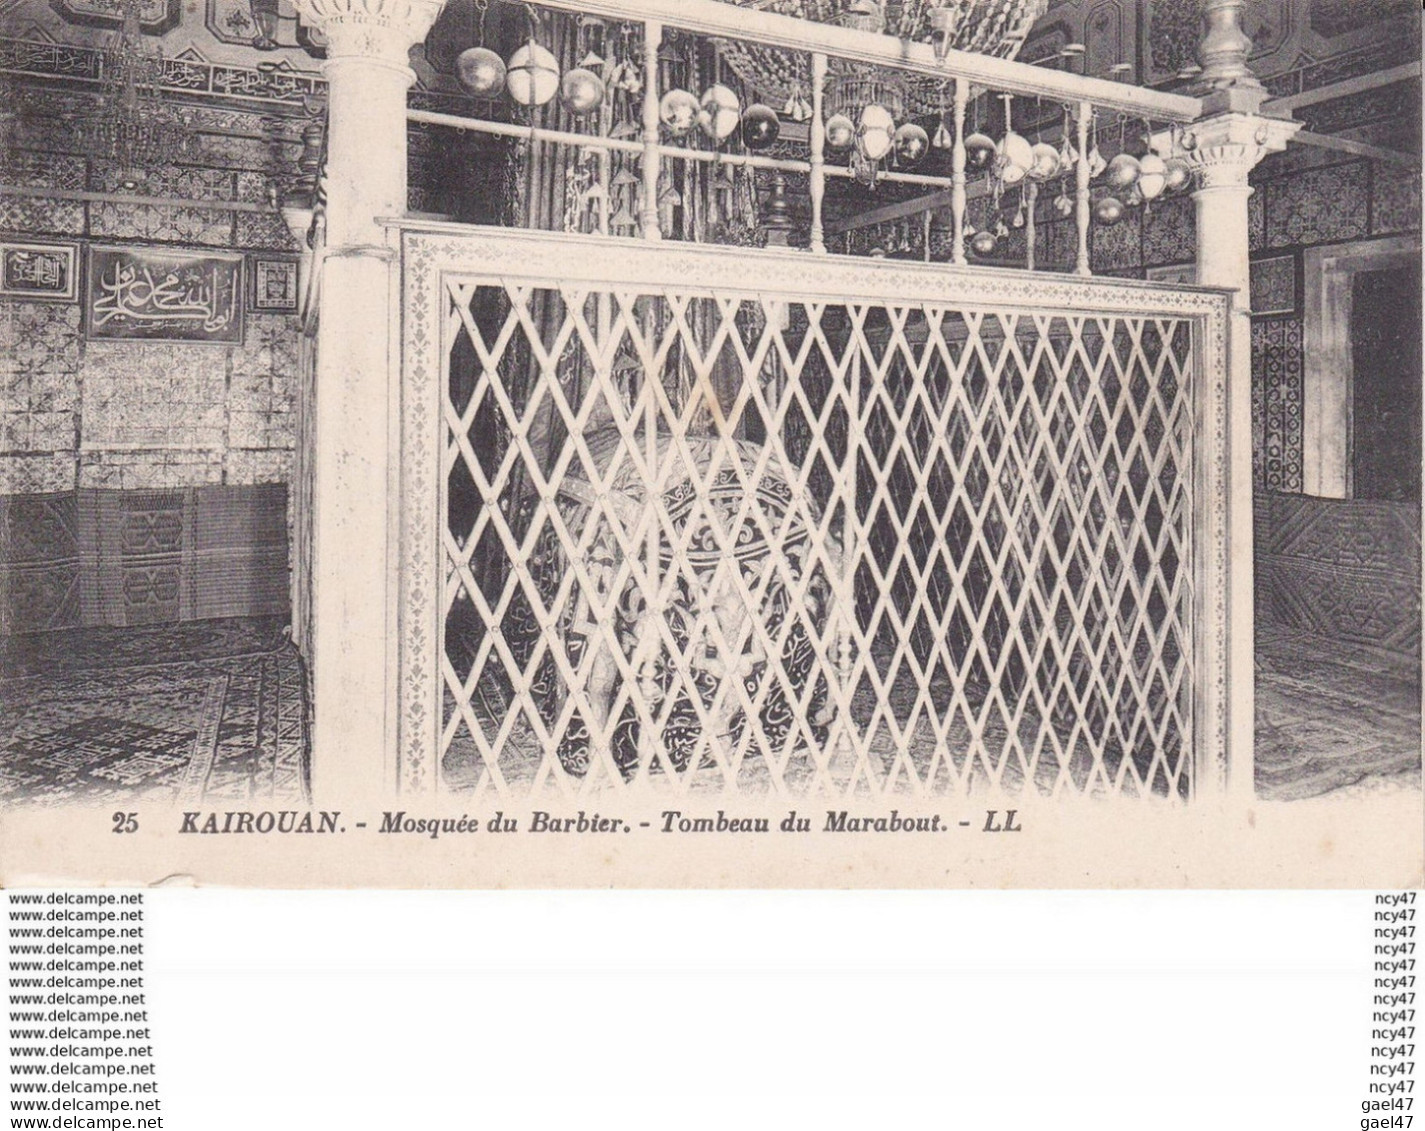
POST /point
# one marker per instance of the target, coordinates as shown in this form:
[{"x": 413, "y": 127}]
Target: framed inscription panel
[
  {"x": 274, "y": 286},
  {"x": 46, "y": 271},
  {"x": 144, "y": 294}
]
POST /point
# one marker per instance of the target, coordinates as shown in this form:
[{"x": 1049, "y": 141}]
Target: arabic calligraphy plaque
[
  {"x": 39, "y": 271},
  {"x": 136, "y": 294}
]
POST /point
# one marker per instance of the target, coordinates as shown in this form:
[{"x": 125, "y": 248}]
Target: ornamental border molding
[
  {"x": 1224, "y": 150},
  {"x": 376, "y": 30},
  {"x": 563, "y": 259},
  {"x": 433, "y": 256}
]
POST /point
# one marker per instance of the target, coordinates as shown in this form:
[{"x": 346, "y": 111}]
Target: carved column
[
  {"x": 354, "y": 507},
  {"x": 1223, "y": 148}
]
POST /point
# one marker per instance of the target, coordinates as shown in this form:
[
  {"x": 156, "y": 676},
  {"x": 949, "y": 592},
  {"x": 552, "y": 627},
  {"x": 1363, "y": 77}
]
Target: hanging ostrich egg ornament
[
  {"x": 581, "y": 91},
  {"x": 1045, "y": 163},
  {"x": 912, "y": 144},
  {"x": 1109, "y": 210},
  {"x": 840, "y": 132},
  {"x": 1123, "y": 171},
  {"x": 720, "y": 112},
  {"x": 984, "y": 243},
  {"x": 482, "y": 72},
  {"x": 760, "y": 126},
  {"x": 877, "y": 132},
  {"x": 678, "y": 111},
  {"x": 979, "y": 151},
  {"x": 1063, "y": 205},
  {"x": 1016, "y": 157},
  {"x": 1152, "y": 176},
  {"x": 532, "y": 77},
  {"x": 1178, "y": 173}
]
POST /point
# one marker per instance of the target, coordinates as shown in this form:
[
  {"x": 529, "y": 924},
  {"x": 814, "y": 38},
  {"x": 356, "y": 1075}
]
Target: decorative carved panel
[
  {"x": 156, "y": 17},
  {"x": 1277, "y": 396}
]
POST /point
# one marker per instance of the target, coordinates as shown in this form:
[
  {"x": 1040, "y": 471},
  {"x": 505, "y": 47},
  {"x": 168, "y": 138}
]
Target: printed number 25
[{"x": 125, "y": 823}]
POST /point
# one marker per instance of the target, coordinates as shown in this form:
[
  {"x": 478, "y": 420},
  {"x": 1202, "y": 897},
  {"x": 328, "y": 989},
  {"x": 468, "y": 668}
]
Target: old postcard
[{"x": 677, "y": 442}]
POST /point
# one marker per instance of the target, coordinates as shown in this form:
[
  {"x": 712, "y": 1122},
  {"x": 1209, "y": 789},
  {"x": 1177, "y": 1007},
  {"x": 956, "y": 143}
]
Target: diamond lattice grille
[{"x": 713, "y": 541}]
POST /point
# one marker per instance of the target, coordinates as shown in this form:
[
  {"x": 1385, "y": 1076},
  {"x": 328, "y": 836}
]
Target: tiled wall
[
  {"x": 141, "y": 414},
  {"x": 185, "y": 428},
  {"x": 87, "y": 414},
  {"x": 103, "y": 440}
]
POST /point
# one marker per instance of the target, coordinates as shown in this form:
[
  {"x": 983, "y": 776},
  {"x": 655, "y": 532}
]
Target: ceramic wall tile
[
  {"x": 1318, "y": 205},
  {"x": 1170, "y": 232},
  {"x": 1277, "y": 384},
  {"x": 124, "y": 383},
  {"x": 247, "y": 467},
  {"x": 31, "y": 474},
  {"x": 181, "y": 182},
  {"x": 33, "y": 169},
  {"x": 1395, "y": 201},
  {"x": 163, "y": 223},
  {"x": 150, "y": 470},
  {"x": 35, "y": 215},
  {"x": 263, "y": 231},
  {"x": 1274, "y": 285},
  {"x": 1117, "y": 247}
]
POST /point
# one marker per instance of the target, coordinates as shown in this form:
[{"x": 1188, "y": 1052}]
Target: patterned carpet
[
  {"x": 212, "y": 711},
  {"x": 1333, "y": 717}
]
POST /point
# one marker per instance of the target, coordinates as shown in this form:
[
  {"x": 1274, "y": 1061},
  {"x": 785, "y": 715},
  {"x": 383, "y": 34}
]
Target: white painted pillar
[
  {"x": 355, "y": 458},
  {"x": 1223, "y": 149}
]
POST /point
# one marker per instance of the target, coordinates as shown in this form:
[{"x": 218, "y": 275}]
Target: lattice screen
[{"x": 705, "y": 539}]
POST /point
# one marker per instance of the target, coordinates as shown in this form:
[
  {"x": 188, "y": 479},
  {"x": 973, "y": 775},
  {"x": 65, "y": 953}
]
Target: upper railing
[
  {"x": 771, "y": 29},
  {"x": 1019, "y": 176}
]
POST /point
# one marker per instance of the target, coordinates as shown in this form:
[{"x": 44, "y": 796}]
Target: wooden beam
[
  {"x": 1357, "y": 148},
  {"x": 890, "y": 212},
  {"x": 919, "y": 204},
  {"x": 1281, "y": 107},
  {"x": 731, "y": 21}
]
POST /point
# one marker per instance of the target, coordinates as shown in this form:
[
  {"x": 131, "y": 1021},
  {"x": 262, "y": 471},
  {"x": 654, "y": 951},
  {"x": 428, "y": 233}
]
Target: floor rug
[
  {"x": 212, "y": 712},
  {"x": 1333, "y": 717}
]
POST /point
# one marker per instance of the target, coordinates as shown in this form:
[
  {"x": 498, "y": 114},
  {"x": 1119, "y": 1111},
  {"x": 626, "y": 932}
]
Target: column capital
[
  {"x": 1224, "y": 149},
  {"x": 381, "y": 31}
]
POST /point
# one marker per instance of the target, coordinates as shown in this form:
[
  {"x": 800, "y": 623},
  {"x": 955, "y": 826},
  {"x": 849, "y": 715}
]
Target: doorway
[{"x": 1385, "y": 394}]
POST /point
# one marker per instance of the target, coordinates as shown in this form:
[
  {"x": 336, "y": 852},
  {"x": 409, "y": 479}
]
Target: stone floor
[{"x": 1333, "y": 717}]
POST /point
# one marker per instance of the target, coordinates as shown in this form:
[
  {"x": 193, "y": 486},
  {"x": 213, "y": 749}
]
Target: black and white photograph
[{"x": 775, "y": 419}]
